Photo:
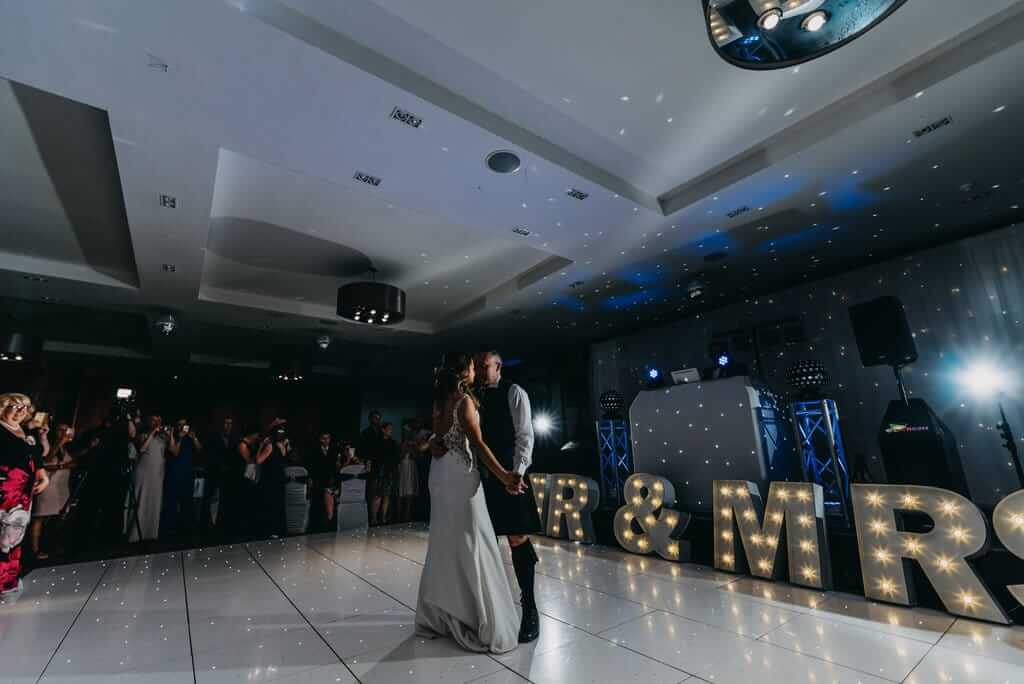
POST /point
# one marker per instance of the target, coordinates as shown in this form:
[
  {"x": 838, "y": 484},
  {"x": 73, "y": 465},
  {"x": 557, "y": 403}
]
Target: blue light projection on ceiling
[
  {"x": 771, "y": 34},
  {"x": 626, "y": 301}
]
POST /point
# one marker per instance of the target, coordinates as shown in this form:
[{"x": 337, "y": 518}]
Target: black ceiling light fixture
[
  {"x": 371, "y": 302},
  {"x": 772, "y": 34},
  {"x": 503, "y": 161},
  {"x": 17, "y": 348}
]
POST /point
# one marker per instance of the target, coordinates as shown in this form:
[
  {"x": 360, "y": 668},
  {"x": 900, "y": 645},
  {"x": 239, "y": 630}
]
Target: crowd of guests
[{"x": 145, "y": 480}]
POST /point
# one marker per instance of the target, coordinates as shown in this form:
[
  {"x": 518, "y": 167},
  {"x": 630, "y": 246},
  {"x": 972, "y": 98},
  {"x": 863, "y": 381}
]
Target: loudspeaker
[{"x": 882, "y": 332}]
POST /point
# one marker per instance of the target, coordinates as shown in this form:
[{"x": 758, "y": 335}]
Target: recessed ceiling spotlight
[
  {"x": 770, "y": 19},
  {"x": 503, "y": 161},
  {"x": 170, "y": 268},
  {"x": 999, "y": 109},
  {"x": 887, "y": 188},
  {"x": 814, "y": 21},
  {"x": 624, "y": 98}
]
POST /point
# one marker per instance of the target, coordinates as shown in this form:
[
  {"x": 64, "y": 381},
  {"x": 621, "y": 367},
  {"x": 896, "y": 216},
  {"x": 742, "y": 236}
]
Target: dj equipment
[
  {"x": 693, "y": 434},
  {"x": 918, "y": 448},
  {"x": 883, "y": 333}
]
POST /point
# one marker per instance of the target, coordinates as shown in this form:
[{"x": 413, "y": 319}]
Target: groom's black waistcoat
[{"x": 499, "y": 432}]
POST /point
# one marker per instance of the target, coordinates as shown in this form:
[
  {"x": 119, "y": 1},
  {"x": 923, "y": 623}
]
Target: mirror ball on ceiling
[{"x": 772, "y": 34}]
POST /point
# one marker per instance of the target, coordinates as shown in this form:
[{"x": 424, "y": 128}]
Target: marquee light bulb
[
  {"x": 960, "y": 535},
  {"x": 806, "y": 545},
  {"x": 803, "y": 495},
  {"x": 910, "y": 501},
  {"x": 809, "y": 573},
  {"x": 727, "y": 558},
  {"x": 725, "y": 491},
  {"x": 912, "y": 546},
  {"x": 749, "y": 515},
  {"x": 727, "y": 535},
  {"x": 804, "y": 520},
  {"x": 877, "y": 526},
  {"x": 883, "y": 556},
  {"x": 949, "y": 507},
  {"x": 875, "y": 499},
  {"x": 944, "y": 563},
  {"x": 887, "y": 586}
]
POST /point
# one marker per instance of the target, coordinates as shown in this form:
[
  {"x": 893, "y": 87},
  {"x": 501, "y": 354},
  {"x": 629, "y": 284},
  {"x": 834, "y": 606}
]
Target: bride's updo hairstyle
[{"x": 453, "y": 377}]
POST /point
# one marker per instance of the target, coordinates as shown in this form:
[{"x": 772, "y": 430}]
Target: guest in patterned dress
[{"x": 20, "y": 479}]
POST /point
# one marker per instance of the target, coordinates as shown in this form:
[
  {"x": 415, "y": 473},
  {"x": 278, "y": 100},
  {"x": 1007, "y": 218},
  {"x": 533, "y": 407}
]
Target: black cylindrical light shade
[
  {"x": 372, "y": 303},
  {"x": 18, "y": 347}
]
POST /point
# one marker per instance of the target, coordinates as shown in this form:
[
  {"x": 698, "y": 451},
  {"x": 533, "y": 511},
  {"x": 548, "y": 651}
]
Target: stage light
[
  {"x": 542, "y": 424},
  {"x": 653, "y": 374},
  {"x": 723, "y": 360},
  {"x": 982, "y": 379}
]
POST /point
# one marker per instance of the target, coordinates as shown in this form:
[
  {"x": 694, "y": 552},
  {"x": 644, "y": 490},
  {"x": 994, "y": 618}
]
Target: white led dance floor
[{"x": 340, "y": 609}]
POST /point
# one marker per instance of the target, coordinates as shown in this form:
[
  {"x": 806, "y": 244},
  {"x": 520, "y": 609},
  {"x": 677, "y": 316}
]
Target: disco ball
[
  {"x": 611, "y": 403},
  {"x": 807, "y": 376}
]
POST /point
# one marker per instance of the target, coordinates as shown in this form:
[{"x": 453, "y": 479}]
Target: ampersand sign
[{"x": 647, "y": 500}]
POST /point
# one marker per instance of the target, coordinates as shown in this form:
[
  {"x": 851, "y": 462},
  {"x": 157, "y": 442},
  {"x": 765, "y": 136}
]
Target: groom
[{"x": 507, "y": 426}]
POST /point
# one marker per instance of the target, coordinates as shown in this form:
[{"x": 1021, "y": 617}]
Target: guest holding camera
[
  {"x": 19, "y": 481},
  {"x": 176, "y": 513},
  {"x": 272, "y": 458},
  {"x": 50, "y": 503},
  {"x": 148, "y": 480}
]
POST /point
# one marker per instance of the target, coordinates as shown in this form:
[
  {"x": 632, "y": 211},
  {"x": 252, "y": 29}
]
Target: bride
[{"x": 464, "y": 591}]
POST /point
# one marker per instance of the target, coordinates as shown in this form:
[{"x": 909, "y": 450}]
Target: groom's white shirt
[{"x": 522, "y": 419}]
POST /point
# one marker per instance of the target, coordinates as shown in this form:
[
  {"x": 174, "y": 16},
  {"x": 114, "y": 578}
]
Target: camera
[
  {"x": 124, "y": 405},
  {"x": 279, "y": 434}
]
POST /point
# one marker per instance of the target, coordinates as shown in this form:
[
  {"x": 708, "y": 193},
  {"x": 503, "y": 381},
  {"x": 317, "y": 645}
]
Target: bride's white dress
[{"x": 464, "y": 591}]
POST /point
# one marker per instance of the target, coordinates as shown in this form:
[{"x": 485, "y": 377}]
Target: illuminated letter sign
[
  {"x": 738, "y": 510},
  {"x": 959, "y": 534},
  {"x": 658, "y": 529}
]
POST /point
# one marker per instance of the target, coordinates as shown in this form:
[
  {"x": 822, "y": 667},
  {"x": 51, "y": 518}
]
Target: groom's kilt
[{"x": 510, "y": 514}]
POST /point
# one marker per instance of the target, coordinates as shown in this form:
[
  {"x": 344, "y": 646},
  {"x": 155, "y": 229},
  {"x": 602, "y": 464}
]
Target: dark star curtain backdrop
[{"x": 964, "y": 302}]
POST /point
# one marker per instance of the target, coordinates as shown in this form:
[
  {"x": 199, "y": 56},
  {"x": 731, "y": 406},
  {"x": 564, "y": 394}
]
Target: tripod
[{"x": 131, "y": 504}]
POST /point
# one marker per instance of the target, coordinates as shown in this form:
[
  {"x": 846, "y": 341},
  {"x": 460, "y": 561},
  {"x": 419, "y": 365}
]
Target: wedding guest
[
  {"x": 50, "y": 503},
  {"x": 143, "y": 523},
  {"x": 368, "y": 449},
  {"x": 408, "y": 472},
  {"x": 219, "y": 450},
  {"x": 384, "y": 476},
  {"x": 176, "y": 509},
  {"x": 322, "y": 464},
  {"x": 19, "y": 481},
  {"x": 272, "y": 459}
]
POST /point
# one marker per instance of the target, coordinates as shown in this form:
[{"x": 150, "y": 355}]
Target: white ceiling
[{"x": 267, "y": 108}]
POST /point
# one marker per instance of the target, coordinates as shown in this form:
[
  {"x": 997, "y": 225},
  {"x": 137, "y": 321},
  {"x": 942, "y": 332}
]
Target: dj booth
[{"x": 693, "y": 434}]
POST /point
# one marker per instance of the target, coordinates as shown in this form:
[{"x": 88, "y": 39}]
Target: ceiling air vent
[
  {"x": 933, "y": 126},
  {"x": 168, "y": 202},
  {"x": 367, "y": 178},
  {"x": 522, "y": 231},
  {"x": 737, "y": 212},
  {"x": 577, "y": 194},
  {"x": 408, "y": 118}
]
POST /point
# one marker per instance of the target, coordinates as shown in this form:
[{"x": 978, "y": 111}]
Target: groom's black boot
[{"x": 523, "y": 560}]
